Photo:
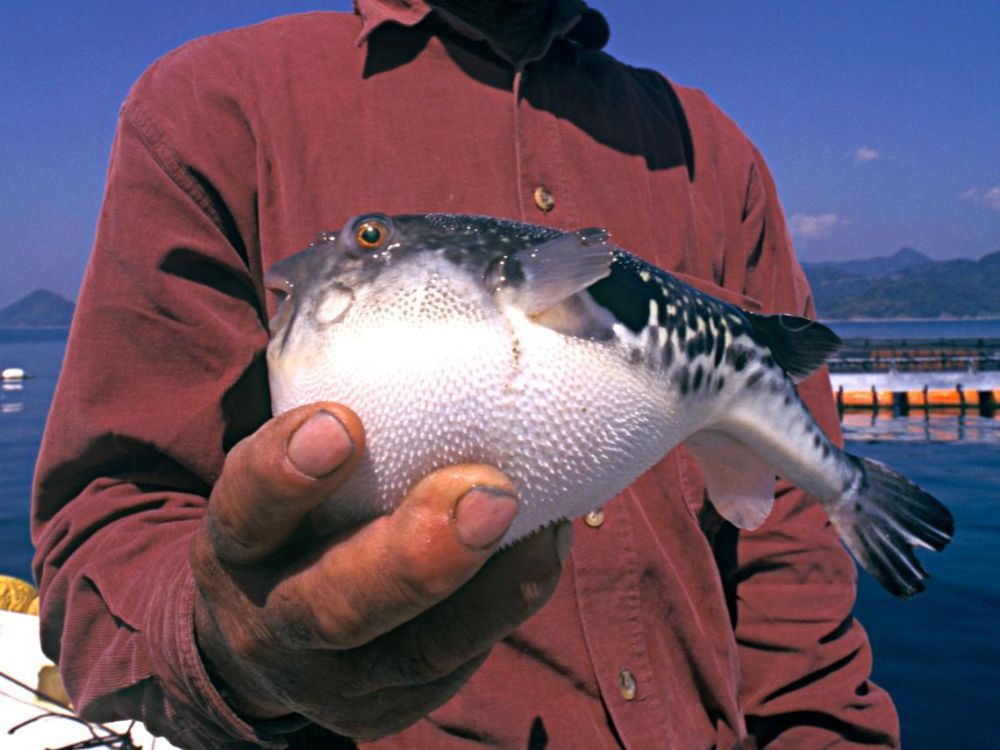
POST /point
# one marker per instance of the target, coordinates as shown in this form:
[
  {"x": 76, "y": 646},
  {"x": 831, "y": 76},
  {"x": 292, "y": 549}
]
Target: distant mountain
[
  {"x": 40, "y": 309},
  {"x": 917, "y": 287},
  {"x": 902, "y": 260}
]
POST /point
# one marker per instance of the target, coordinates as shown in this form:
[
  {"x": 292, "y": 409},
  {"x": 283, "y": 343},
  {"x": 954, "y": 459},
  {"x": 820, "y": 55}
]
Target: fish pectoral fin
[
  {"x": 800, "y": 345},
  {"x": 559, "y": 268},
  {"x": 740, "y": 485}
]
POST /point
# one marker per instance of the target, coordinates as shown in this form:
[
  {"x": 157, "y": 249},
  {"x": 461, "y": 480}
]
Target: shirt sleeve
[
  {"x": 163, "y": 374},
  {"x": 805, "y": 661}
]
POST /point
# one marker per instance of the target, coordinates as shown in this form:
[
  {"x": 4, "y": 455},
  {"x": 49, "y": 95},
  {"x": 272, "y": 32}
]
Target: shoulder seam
[{"x": 164, "y": 155}]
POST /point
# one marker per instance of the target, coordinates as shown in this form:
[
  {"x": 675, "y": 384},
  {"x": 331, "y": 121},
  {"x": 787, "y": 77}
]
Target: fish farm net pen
[{"x": 917, "y": 355}]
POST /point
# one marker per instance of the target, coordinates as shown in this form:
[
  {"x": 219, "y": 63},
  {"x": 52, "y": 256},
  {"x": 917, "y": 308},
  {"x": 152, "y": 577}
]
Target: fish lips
[
  {"x": 283, "y": 288},
  {"x": 328, "y": 308}
]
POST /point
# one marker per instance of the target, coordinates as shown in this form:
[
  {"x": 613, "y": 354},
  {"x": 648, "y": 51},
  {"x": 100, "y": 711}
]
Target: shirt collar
[{"x": 571, "y": 19}]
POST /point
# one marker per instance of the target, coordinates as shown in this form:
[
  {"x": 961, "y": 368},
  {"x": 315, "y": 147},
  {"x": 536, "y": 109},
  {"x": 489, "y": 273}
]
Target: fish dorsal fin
[
  {"x": 799, "y": 345},
  {"x": 539, "y": 278},
  {"x": 740, "y": 485}
]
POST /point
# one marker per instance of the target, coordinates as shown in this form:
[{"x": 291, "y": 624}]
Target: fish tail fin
[{"x": 884, "y": 518}]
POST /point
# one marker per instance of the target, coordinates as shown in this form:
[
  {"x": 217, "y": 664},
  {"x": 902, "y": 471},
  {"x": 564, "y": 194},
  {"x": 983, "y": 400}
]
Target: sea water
[
  {"x": 23, "y": 408},
  {"x": 937, "y": 654}
]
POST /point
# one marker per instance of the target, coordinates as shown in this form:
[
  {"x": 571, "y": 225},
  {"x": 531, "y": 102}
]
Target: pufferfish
[{"x": 572, "y": 366}]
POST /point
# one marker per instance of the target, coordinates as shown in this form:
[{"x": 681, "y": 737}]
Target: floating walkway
[
  {"x": 918, "y": 375},
  {"x": 905, "y": 391}
]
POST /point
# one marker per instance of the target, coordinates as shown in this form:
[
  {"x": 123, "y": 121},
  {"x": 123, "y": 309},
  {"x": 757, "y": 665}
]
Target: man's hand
[{"x": 369, "y": 630}]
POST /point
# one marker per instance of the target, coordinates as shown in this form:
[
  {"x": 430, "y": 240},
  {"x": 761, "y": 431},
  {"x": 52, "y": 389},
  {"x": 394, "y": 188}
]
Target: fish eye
[{"x": 371, "y": 234}]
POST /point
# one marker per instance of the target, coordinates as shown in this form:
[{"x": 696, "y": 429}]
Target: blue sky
[{"x": 880, "y": 119}]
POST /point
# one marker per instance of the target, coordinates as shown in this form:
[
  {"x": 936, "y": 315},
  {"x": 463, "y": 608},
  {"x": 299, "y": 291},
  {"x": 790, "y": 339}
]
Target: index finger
[{"x": 272, "y": 479}]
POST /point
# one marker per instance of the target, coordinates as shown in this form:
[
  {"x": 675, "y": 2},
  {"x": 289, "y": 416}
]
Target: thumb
[
  {"x": 272, "y": 479},
  {"x": 393, "y": 568}
]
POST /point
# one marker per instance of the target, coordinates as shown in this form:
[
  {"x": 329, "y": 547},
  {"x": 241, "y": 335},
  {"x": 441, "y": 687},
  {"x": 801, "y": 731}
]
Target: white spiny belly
[{"x": 569, "y": 420}]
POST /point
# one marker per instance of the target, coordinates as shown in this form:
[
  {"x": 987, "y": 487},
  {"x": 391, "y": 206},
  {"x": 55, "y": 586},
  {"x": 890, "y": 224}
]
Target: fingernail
[
  {"x": 564, "y": 540},
  {"x": 320, "y": 445},
  {"x": 483, "y": 516}
]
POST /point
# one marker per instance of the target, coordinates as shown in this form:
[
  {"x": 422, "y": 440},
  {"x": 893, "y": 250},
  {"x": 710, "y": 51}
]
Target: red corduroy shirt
[{"x": 669, "y": 629}]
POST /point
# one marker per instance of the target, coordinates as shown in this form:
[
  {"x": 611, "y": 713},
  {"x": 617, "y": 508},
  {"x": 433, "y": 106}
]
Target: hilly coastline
[
  {"x": 40, "y": 309},
  {"x": 906, "y": 284}
]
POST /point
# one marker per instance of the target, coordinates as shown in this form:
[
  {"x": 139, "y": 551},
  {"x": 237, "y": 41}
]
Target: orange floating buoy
[
  {"x": 858, "y": 399},
  {"x": 944, "y": 397}
]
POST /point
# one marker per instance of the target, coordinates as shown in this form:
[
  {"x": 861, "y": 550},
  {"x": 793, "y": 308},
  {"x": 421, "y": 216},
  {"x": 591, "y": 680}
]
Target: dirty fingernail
[
  {"x": 564, "y": 540},
  {"x": 320, "y": 445},
  {"x": 483, "y": 516}
]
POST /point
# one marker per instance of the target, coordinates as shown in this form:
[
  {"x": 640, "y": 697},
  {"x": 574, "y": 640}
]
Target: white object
[{"x": 21, "y": 657}]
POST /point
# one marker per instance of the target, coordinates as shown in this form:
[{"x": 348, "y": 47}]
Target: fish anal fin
[
  {"x": 541, "y": 277},
  {"x": 800, "y": 345},
  {"x": 740, "y": 484}
]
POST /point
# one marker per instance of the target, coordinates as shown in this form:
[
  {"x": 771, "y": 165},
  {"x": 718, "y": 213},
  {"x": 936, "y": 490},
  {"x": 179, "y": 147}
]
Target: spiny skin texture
[{"x": 566, "y": 362}]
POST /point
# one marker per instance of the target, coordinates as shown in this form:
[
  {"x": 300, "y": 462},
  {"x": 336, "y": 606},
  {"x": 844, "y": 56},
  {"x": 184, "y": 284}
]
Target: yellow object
[
  {"x": 17, "y": 595},
  {"x": 50, "y": 683}
]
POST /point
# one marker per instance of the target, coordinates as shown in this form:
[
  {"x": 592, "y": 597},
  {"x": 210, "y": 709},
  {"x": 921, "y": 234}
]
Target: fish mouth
[{"x": 282, "y": 287}]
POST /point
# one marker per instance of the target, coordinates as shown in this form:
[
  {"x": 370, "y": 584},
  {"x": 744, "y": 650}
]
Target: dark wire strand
[{"x": 111, "y": 738}]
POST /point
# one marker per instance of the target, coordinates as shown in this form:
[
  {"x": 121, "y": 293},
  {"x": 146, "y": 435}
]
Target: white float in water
[{"x": 12, "y": 373}]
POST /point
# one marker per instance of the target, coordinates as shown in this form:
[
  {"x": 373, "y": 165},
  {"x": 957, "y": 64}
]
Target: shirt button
[
  {"x": 627, "y": 685},
  {"x": 595, "y": 518},
  {"x": 544, "y": 199}
]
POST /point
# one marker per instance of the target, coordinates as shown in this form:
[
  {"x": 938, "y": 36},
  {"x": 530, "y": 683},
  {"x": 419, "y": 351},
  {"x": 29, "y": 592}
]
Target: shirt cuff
[{"x": 209, "y": 720}]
